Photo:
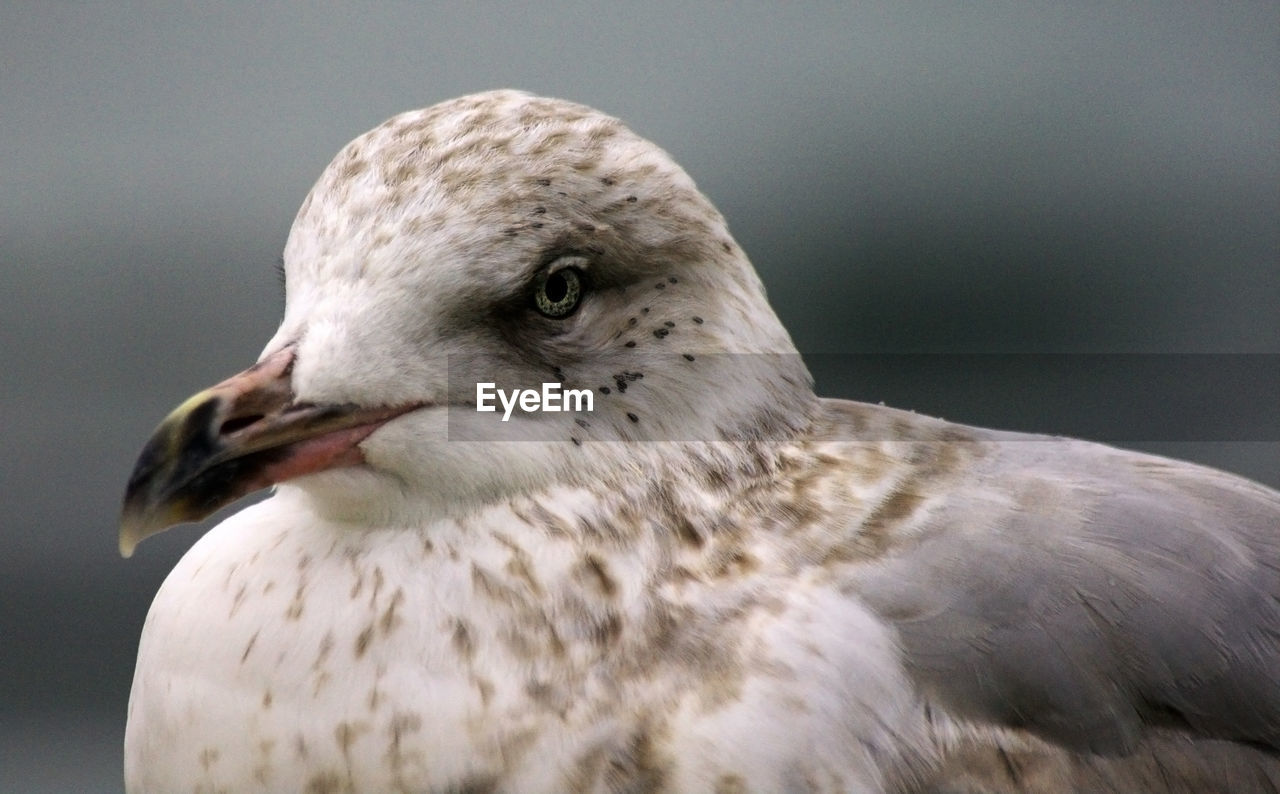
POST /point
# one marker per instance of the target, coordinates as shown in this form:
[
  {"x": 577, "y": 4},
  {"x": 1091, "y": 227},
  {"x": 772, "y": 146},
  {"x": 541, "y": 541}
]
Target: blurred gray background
[{"x": 1056, "y": 178}]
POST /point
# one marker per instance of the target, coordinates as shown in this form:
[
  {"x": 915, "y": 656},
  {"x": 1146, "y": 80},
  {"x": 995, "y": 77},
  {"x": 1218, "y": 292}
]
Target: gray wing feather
[{"x": 1086, "y": 593}]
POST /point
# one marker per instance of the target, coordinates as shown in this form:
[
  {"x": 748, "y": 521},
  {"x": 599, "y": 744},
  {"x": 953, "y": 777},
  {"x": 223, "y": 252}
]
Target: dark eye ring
[{"x": 557, "y": 294}]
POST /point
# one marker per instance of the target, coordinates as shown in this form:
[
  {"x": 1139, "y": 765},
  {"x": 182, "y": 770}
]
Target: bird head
[{"x": 499, "y": 239}]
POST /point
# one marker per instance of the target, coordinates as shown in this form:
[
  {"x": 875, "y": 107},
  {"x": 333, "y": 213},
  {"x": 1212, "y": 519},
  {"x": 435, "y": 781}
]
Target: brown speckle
[
  {"x": 736, "y": 563},
  {"x": 267, "y": 699},
  {"x": 363, "y": 640},
  {"x": 687, "y": 532},
  {"x": 319, "y": 681},
  {"x": 608, "y": 629},
  {"x": 542, "y": 693},
  {"x": 400, "y": 724},
  {"x": 294, "y": 611},
  {"x": 488, "y": 585},
  {"x": 594, "y": 569},
  {"x": 347, "y": 733},
  {"x": 484, "y": 687},
  {"x": 519, "y": 567},
  {"x": 324, "y": 783},
  {"x": 462, "y": 642},
  {"x": 378, "y": 581},
  {"x": 322, "y": 653},
  {"x": 249, "y": 647},
  {"x": 898, "y": 505},
  {"x": 262, "y": 771},
  {"x": 354, "y": 167},
  {"x": 390, "y": 620},
  {"x": 208, "y": 757},
  {"x": 238, "y": 600},
  {"x": 480, "y": 784},
  {"x": 404, "y": 722},
  {"x": 633, "y": 766}
]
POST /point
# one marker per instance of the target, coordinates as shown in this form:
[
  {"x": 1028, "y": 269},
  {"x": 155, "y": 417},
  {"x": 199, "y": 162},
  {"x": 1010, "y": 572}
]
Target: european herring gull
[{"x": 712, "y": 580}]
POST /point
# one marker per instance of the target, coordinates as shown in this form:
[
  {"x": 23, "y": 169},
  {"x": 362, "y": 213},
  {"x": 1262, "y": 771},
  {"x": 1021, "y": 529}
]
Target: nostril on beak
[{"x": 238, "y": 423}]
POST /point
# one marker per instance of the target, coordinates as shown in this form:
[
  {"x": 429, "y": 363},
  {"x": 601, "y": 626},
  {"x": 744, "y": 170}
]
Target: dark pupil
[{"x": 557, "y": 288}]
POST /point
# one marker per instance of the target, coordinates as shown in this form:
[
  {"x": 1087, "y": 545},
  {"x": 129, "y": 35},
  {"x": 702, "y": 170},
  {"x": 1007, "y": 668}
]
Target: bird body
[{"x": 715, "y": 581}]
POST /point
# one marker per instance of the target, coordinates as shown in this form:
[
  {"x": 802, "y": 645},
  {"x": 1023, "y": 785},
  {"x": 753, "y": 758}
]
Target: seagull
[{"x": 702, "y": 577}]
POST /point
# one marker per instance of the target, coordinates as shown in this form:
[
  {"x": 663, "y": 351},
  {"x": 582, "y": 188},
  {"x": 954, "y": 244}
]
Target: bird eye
[{"x": 558, "y": 294}]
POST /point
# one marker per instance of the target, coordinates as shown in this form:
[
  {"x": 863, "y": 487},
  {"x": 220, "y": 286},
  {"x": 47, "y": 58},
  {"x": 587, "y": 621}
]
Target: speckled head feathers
[
  {"x": 411, "y": 265},
  {"x": 506, "y": 165}
]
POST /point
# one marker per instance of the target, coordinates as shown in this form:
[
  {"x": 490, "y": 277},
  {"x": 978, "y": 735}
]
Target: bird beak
[{"x": 242, "y": 435}]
